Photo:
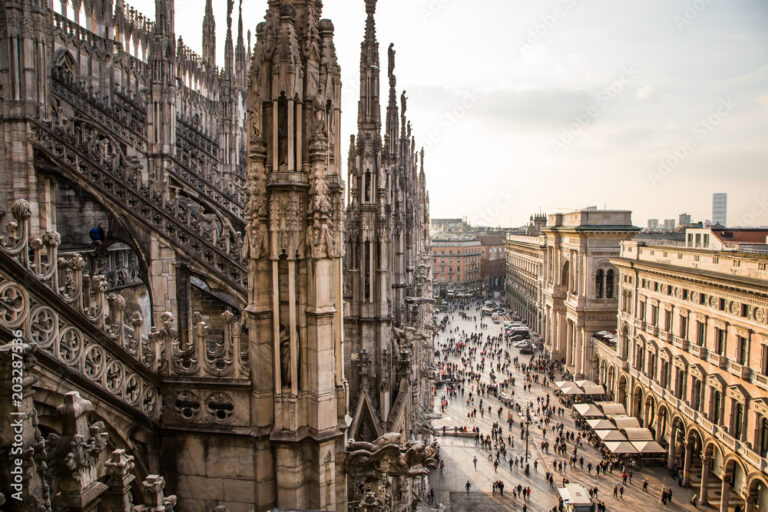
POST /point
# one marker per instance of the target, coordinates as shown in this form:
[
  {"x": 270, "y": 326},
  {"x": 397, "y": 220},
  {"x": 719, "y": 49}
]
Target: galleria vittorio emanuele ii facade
[{"x": 194, "y": 317}]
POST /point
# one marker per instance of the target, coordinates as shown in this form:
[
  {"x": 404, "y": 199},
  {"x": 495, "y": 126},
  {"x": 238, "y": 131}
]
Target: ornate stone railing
[
  {"x": 118, "y": 117},
  {"x": 204, "y": 355},
  {"x": 230, "y": 203},
  {"x": 221, "y": 253},
  {"x": 118, "y": 265},
  {"x": 70, "y": 318}
]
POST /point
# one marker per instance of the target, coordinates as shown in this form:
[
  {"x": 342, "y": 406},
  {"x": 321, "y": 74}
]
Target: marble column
[
  {"x": 725, "y": 491},
  {"x": 706, "y": 467},
  {"x": 579, "y": 352},
  {"x": 672, "y": 446},
  {"x": 687, "y": 464}
]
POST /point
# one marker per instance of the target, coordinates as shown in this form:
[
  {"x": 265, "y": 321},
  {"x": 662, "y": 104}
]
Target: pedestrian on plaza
[
  {"x": 630, "y": 477},
  {"x": 468, "y": 486},
  {"x": 624, "y": 477},
  {"x": 474, "y": 461},
  {"x": 645, "y": 485},
  {"x": 621, "y": 492},
  {"x": 694, "y": 500},
  {"x": 616, "y": 491}
]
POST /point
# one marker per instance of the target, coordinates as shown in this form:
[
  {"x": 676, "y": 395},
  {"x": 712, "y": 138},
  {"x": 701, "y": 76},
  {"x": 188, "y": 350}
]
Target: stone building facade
[
  {"x": 492, "y": 262},
  {"x": 456, "y": 266},
  {"x": 691, "y": 363},
  {"x": 525, "y": 278},
  {"x": 388, "y": 326},
  {"x": 580, "y": 282},
  {"x": 198, "y": 331}
]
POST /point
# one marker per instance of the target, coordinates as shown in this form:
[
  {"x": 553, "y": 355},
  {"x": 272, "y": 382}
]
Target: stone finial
[
  {"x": 120, "y": 467},
  {"x": 157, "y": 501}
]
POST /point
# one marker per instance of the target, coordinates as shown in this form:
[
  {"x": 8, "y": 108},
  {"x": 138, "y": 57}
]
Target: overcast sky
[{"x": 523, "y": 105}]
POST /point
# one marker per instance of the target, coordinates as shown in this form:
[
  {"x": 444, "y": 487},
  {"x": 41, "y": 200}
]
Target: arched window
[
  {"x": 367, "y": 186},
  {"x": 599, "y": 284},
  {"x": 609, "y": 284}
]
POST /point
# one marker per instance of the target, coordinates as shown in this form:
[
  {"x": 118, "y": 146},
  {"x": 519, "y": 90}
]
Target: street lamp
[{"x": 527, "y": 430}]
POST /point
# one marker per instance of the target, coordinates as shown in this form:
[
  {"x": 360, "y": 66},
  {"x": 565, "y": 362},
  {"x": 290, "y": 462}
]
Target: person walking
[
  {"x": 621, "y": 492},
  {"x": 645, "y": 485},
  {"x": 468, "y": 486},
  {"x": 474, "y": 461},
  {"x": 616, "y": 491}
]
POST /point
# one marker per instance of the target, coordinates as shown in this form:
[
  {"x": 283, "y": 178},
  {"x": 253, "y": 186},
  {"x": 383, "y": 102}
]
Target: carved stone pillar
[{"x": 76, "y": 485}]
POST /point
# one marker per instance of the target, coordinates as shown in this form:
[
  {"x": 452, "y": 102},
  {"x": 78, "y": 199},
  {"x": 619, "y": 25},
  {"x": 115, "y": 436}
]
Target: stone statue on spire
[{"x": 391, "y": 61}]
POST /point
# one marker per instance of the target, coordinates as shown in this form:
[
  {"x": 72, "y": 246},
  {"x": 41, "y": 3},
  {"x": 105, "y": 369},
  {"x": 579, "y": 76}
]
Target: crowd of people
[{"x": 480, "y": 369}]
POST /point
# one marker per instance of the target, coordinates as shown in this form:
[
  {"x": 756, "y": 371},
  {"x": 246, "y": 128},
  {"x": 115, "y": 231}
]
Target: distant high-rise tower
[
  {"x": 719, "y": 208},
  {"x": 653, "y": 224},
  {"x": 684, "y": 219},
  {"x": 669, "y": 224}
]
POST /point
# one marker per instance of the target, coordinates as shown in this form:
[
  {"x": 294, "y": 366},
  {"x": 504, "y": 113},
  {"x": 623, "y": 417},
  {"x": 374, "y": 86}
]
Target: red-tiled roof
[{"x": 742, "y": 236}]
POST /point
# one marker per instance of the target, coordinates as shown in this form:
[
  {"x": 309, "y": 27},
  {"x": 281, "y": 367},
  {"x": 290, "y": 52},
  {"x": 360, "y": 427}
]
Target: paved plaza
[{"x": 458, "y": 453}]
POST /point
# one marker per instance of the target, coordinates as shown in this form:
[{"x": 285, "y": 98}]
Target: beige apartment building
[
  {"x": 525, "y": 261},
  {"x": 579, "y": 289},
  {"x": 691, "y": 363}
]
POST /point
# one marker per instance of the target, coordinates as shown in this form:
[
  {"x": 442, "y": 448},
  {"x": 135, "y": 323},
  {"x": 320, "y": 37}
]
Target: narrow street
[{"x": 458, "y": 452}]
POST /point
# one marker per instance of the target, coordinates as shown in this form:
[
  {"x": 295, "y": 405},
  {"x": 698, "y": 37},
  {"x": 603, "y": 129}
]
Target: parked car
[
  {"x": 521, "y": 344},
  {"x": 526, "y": 350}
]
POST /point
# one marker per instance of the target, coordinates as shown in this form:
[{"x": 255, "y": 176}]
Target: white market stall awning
[
  {"x": 593, "y": 389},
  {"x": 601, "y": 424},
  {"x": 611, "y": 407},
  {"x": 560, "y": 383},
  {"x": 638, "y": 434},
  {"x": 624, "y": 421},
  {"x": 588, "y": 411},
  {"x": 571, "y": 390},
  {"x": 646, "y": 447},
  {"x": 611, "y": 435},
  {"x": 582, "y": 383},
  {"x": 621, "y": 447}
]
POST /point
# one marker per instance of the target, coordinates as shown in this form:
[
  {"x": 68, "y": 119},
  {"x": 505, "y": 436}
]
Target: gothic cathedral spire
[
  {"x": 293, "y": 246},
  {"x": 209, "y": 35},
  {"x": 368, "y": 112}
]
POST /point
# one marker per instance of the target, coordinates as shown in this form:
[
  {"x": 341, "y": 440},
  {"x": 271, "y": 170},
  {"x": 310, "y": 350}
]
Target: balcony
[
  {"x": 761, "y": 381},
  {"x": 699, "y": 351},
  {"x": 681, "y": 343},
  {"x": 718, "y": 360},
  {"x": 740, "y": 370},
  {"x": 640, "y": 324},
  {"x": 652, "y": 330},
  {"x": 666, "y": 336}
]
